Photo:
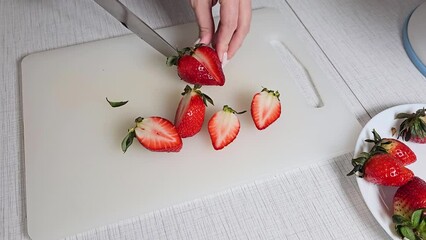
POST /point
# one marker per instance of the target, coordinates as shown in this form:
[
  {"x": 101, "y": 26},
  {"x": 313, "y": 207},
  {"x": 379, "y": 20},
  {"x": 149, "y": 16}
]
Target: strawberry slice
[
  {"x": 394, "y": 147},
  {"x": 381, "y": 168},
  {"x": 413, "y": 128},
  {"x": 191, "y": 110},
  {"x": 409, "y": 209},
  {"x": 198, "y": 65},
  {"x": 156, "y": 134},
  {"x": 265, "y": 108},
  {"x": 224, "y": 127}
]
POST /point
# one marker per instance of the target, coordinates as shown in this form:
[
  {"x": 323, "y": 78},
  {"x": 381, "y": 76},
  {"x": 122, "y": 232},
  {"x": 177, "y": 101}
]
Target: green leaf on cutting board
[{"x": 116, "y": 104}]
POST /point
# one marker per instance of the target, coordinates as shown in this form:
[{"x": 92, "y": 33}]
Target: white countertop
[{"x": 356, "y": 42}]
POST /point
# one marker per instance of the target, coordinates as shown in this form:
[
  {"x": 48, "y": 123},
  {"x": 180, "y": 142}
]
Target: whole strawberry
[
  {"x": 191, "y": 110},
  {"x": 198, "y": 65},
  {"x": 381, "y": 169},
  {"x": 394, "y": 147},
  {"x": 413, "y": 128},
  {"x": 265, "y": 108},
  {"x": 156, "y": 134},
  {"x": 409, "y": 209},
  {"x": 224, "y": 127}
]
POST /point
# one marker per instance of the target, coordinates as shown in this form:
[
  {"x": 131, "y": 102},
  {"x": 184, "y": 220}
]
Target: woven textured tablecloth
[{"x": 356, "y": 42}]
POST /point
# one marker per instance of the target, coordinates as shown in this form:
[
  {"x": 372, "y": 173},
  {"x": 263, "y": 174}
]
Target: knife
[{"x": 137, "y": 26}]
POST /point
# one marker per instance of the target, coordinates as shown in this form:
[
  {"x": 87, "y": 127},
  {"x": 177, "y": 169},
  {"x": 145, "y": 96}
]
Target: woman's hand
[{"x": 234, "y": 24}]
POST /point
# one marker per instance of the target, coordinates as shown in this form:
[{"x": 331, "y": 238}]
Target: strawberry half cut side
[
  {"x": 224, "y": 127},
  {"x": 265, "y": 108},
  {"x": 409, "y": 205},
  {"x": 156, "y": 134},
  {"x": 198, "y": 65},
  {"x": 413, "y": 128}
]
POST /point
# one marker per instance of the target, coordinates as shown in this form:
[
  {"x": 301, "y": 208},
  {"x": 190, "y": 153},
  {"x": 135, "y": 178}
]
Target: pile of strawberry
[
  {"x": 199, "y": 65},
  {"x": 385, "y": 164}
]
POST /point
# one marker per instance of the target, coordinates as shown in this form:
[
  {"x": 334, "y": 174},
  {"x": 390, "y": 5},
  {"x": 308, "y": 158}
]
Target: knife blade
[{"x": 137, "y": 26}]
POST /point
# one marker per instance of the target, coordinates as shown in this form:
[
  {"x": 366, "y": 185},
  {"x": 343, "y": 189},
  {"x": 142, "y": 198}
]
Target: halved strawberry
[
  {"x": 198, "y": 65},
  {"x": 394, "y": 147},
  {"x": 156, "y": 134},
  {"x": 409, "y": 209},
  {"x": 381, "y": 168},
  {"x": 413, "y": 128},
  {"x": 191, "y": 110},
  {"x": 265, "y": 108},
  {"x": 224, "y": 127}
]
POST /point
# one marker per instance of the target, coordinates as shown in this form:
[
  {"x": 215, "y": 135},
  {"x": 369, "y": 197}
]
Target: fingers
[
  {"x": 244, "y": 19},
  {"x": 203, "y": 13},
  {"x": 234, "y": 25},
  {"x": 227, "y": 25}
]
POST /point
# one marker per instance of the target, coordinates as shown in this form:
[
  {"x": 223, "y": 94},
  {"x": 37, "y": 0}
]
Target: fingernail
[
  {"x": 197, "y": 42},
  {"x": 225, "y": 59}
]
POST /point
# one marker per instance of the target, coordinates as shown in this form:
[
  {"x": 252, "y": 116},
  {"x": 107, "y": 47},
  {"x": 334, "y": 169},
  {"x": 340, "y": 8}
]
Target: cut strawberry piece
[
  {"x": 265, "y": 108},
  {"x": 155, "y": 134},
  {"x": 394, "y": 147},
  {"x": 409, "y": 209},
  {"x": 224, "y": 127},
  {"x": 199, "y": 65},
  {"x": 413, "y": 128},
  {"x": 381, "y": 168},
  {"x": 191, "y": 110}
]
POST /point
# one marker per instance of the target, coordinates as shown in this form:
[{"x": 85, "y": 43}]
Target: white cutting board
[{"x": 77, "y": 177}]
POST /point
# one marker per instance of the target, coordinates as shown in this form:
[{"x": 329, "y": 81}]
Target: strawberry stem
[
  {"x": 227, "y": 108},
  {"x": 138, "y": 119}
]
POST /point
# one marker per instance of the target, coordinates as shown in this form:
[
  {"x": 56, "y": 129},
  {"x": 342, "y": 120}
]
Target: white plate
[{"x": 379, "y": 199}]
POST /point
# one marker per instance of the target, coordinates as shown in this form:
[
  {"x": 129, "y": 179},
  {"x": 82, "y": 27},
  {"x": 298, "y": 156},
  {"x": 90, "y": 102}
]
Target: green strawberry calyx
[
  {"x": 227, "y": 108},
  {"x": 173, "y": 60},
  {"x": 272, "y": 92},
  {"x": 131, "y": 134},
  {"x": 413, "y": 228},
  {"x": 413, "y": 124},
  {"x": 378, "y": 143},
  {"x": 197, "y": 90},
  {"x": 359, "y": 163}
]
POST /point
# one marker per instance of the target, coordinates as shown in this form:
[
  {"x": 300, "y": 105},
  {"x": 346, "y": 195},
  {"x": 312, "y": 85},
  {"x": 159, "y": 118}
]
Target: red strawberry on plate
[
  {"x": 394, "y": 147},
  {"x": 156, "y": 134},
  {"x": 409, "y": 209},
  {"x": 381, "y": 168},
  {"x": 191, "y": 111},
  {"x": 413, "y": 128},
  {"x": 198, "y": 65},
  {"x": 223, "y": 127},
  {"x": 265, "y": 108}
]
